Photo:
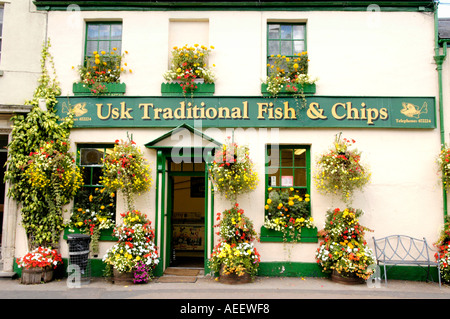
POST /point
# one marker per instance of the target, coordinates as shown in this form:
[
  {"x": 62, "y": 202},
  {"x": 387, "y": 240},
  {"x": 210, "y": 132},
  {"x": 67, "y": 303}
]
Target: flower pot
[
  {"x": 31, "y": 276},
  {"x": 123, "y": 277},
  {"x": 346, "y": 278},
  {"x": 47, "y": 274},
  {"x": 233, "y": 278}
]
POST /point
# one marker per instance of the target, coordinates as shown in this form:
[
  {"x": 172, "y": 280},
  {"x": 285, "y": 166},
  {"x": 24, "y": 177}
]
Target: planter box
[
  {"x": 174, "y": 89},
  {"x": 308, "y": 89},
  {"x": 308, "y": 235},
  {"x": 105, "y": 234},
  {"x": 113, "y": 89}
]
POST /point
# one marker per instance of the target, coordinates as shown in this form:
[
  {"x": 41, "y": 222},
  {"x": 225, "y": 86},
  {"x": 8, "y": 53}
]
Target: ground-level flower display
[
  {"x": 135, "y": 247},
  {"x": 344, "y": 248},
  {"x": 40, "y": 257}
]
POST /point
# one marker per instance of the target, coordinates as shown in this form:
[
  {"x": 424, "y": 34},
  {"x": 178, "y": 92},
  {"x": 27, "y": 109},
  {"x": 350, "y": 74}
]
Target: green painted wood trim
[
  {"x": 409, "y": 6},
  {"x": 308, "y": 89},
  {"x": 307, "y": 235},
  {"x": 113, "y": 89},
  {"x": 174, "y": 89},
  {"x": 105, "y": 234}
]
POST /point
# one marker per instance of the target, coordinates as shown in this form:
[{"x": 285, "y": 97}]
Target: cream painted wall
[
  {"x": 349, "y": 53},
  {"x": 23, "y": 35}
]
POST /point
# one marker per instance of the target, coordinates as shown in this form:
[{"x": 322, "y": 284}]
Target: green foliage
[{"x": 29, "y": 133}]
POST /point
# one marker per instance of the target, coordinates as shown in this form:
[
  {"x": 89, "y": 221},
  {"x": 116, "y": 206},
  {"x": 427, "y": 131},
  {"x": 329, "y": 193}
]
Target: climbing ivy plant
[{"x": 30, "y": 133}]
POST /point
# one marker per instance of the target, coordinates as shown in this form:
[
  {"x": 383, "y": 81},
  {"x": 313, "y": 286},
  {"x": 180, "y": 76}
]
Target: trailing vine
[{"x": 41, "y": 221}]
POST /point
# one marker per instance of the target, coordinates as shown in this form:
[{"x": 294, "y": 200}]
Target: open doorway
[{"x": 187, "y": 214}]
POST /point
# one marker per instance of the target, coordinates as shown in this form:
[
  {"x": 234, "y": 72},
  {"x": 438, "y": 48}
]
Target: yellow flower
[{"x": 269, "y": 201}]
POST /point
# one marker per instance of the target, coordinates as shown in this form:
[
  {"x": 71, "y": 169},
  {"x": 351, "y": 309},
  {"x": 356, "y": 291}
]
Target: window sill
[
  {"x": 174, "y": 89},
  {"x": 308, "y": 235},
  {"x": 112, "y": 89},
  {"x": 308, "y": 89},
  {"x": 105, "y": 234}
]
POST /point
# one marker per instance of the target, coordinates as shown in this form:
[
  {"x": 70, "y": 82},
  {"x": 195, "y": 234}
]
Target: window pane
[
  {"x": 87, "y": 176},
  {"x": 91, "y": 156},
  {"x": 274, "y": 31},
  {"x": 286, "y": 158},
  {"x": 274, "y": 180},
  {"x": 299, "y": 31},
  {"x": 117, "y": 45},
  {"x": 286, "y": 32},
  {"x": 104, "y": 32},
  {"x": 103, "y": 46},
  {"x": 96, "y": 173},
  {"x": 274, "y": 47},
  {"x": 175, "y": 167},
  {"x": 91, "y": 47},
  {"x": 286, "y": 48},
  {"x": 92, "y": 33},
  {"x": 300, "y": 177},
  {"x": 300, "y": 157},
  {"x": 299, "y": 47},
  {"x": 116, "y": 32}
]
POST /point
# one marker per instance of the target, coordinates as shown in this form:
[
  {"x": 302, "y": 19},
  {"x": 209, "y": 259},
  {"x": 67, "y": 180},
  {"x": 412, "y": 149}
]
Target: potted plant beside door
[{"x": 235, "y": 258}]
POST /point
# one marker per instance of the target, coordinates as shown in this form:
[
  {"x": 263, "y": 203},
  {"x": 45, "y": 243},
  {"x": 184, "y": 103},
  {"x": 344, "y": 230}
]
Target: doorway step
[{"x": 180, "y": 275}]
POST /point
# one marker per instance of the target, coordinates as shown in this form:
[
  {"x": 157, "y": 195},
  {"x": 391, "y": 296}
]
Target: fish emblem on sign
[
  {"x": 411, "y": 110},
  {"x": 78, "y": 109}
]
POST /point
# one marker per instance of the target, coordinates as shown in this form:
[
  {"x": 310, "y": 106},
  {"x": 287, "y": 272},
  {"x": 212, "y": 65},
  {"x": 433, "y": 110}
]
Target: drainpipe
[{"x": 440, "y": 58}]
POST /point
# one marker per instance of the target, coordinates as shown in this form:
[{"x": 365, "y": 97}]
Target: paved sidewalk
[{"x": 207, "y": 288}]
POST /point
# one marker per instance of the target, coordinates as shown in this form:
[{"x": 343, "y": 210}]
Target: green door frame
[{"x": 163, "y": 206}]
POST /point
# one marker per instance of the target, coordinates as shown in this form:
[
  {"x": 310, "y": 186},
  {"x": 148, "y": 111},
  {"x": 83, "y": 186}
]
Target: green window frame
[
  {"x": 103, "y": 36},
  {"x": 285, "y": 39},
  {"x": 288, "y": 166}
]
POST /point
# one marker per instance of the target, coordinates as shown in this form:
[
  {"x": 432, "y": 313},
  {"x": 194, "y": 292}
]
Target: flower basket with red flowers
[
  {"x": 38, "y": 265},
  {"x": 344, "y": 250}
]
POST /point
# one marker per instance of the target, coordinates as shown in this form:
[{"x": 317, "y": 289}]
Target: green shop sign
[{"x": 317, "y": 111}]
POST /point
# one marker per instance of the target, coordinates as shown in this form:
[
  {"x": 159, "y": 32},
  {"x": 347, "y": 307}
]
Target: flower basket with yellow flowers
[
  {"x": 100, "y": 74},
  {"x": 340, "y": 170},
  {"x": 126, "y": 169},
  {"x": 289, "y": 75},
  {"x": 288, "y": 212},
  {"x": 94, "y": 210},
  {"x": 188, "y": 65},
  {"x": 232, "y": 171},
  {"x": 344, "y": 249},
  {"x": 135, "y": 249},
  {"x": 235, "y": 258},
  {"x": 52, "y": 171}
]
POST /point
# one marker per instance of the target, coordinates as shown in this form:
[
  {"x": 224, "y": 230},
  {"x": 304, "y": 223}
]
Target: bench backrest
[{"x": 401, "y": 248}]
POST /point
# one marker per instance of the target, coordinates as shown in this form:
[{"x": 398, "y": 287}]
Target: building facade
[
  {"x": 370, "y": 59},
  {"x": 22, "y": 34}
]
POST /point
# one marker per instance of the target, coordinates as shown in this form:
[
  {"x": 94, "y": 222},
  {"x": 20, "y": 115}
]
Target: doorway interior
[{"x": 186, "y": 218}]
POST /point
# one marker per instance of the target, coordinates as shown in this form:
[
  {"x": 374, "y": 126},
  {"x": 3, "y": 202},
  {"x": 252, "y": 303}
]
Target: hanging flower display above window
[{"x": 340, "y": 170}]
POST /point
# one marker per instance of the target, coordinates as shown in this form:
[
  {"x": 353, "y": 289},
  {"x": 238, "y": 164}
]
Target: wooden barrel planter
[
  {"x": 123, "y": 277},
  {"x": 36, "y": 275},
  {"x": 233, "y": 278},
  {"x": 346, "y": 279}
]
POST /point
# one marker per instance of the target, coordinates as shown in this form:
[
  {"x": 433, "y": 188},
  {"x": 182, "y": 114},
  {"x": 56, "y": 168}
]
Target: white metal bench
[{"x": 404, "y": 250}]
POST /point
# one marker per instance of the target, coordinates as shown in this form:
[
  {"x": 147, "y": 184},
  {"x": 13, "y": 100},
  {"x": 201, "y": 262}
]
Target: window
[
  {"x": 285, "y": 39},
  {"x": 289, "y": 166},
  {"x": 103, "y": 36},
  {"x": 90, "y": 159},
  {"x": 1, "y": 28}
]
